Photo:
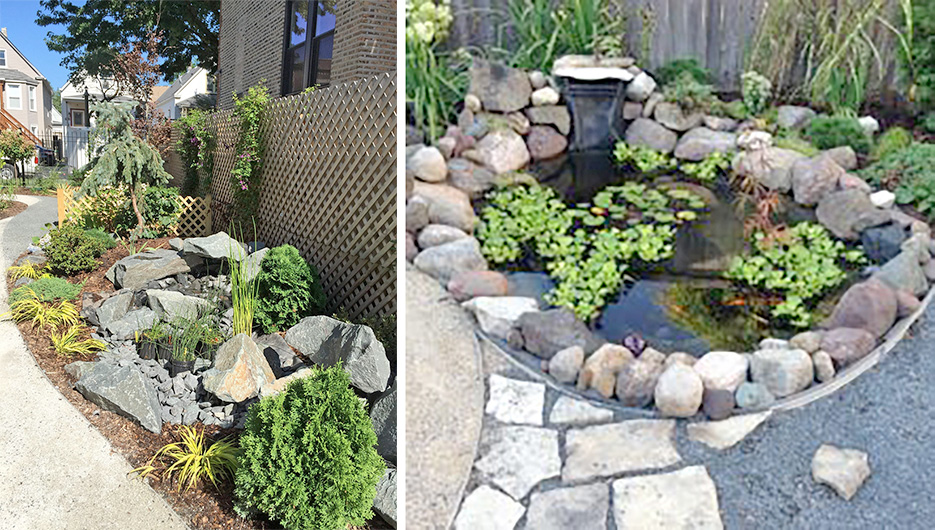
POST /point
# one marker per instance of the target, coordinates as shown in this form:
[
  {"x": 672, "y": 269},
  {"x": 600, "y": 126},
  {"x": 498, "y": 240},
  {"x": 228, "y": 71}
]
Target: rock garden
[{"x": 211, "y": 363}]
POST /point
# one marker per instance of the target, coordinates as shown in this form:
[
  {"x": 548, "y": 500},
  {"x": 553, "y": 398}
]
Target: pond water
[{"x": 681, "y": 304}]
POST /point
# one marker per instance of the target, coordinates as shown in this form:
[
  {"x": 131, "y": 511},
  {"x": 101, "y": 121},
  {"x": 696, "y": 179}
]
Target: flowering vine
[
  {"x": 249, "y": 113},
  {"x": 196, "y": 144}
]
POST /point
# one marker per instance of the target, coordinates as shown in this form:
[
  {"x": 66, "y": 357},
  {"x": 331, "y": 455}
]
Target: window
[
  {"x": 34, "y": 130},
  {"x": 77, "y": 118},
  {"x": 14, "y": 96},
  {"x": 32, "y": 97},
  {"x": 307, "y": 59},
  {"x": 3, "y": 58}
]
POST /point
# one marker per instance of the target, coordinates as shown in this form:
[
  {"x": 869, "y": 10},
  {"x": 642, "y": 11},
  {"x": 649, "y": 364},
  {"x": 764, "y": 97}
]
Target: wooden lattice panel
[
  {"x": 194, "y": 221},
  {"x": 329, "y": 187}
]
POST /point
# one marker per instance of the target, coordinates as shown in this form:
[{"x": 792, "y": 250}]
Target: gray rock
[
  {"x": 720, "y": 123},
  {"x": 824, "y": 366},
  {"x": 718, "y": 404},
  {"x": 447, "y": 205},
  {"x": 134, "y": 272},
  {"x": 254, "y": 263},
  {"x": 602, "y": 367},
  {"x": 685, "y": 499},
  {"x": 132, "y": 322},
  {"x": 445, "y": 261},
  {"x": 124, "y": 391},
  {"x": 500, "y": 88},
  {"x": 467, "y": 177},
  {"x": 636, "y": 382},
  {"x": 383, "y": 418},
  {"x": 427, "y": 164},
  {"x": 632, "y": 110},
  {"x": 869, "y": 124},
  {"x": 671, "y": 116},
  {"x": 515, "y": 401},
  {"x": 544, "y": 142},
  {"x": 325, "y": 341},
  {"x": 904, "y": 273},
  {"x": 170, "y": 305},
  {"x": 417, "y": 213},
  {"x": 545, "y": 333},
  {"x": 679, "y": 391},
  {"x": 794, "y": 117},
  {"x": 176, "y": 244},
  {"x": 771, "y": 166},
  {"x": 649, "y": 106},
  {"x": 384, "y": 504},
  {"x": 906, "y": 304},
  {"x": 648, "y": 133},
  {"x": 883, "y": 243},
  {"x": 469, "y": 284},
  {"x": 239, "y": 371},
  {"x": 700, "y": 142},
  {"x": 815, "y": 177},
  {"x": 498, "y": 315},
  {"x": 845, "y": 213},
  {"x": 544, "y": 96},
  {"x": 434, "y": 235},
  {"x": 783, "y": 372},
  {"x": 579, "y": 507},
  {"x": 537, "y": 79},
  {"x": 753, "y": 396},
  {"x": 565, "y": 364},
  {"x": 500, "y": 151},
  {"x": 282, "y": 360},
  {"x": 810, "y": 341},
  {"x": 77, "y": 369},
  {"x": 114, "y": 308},
  {"x": 869, "y": 305},
  {"x": 628, "y": 446},
  {"x": 846, "y": 345},
  {"x": 568, "y": 411},
  {"x": 641, "y": 87},
  {"x": 844, "y": 156},
  {"x": 217, "y": 246},
  {"x": 722, "y": 370},
  {"x": 845, "y": 470}
]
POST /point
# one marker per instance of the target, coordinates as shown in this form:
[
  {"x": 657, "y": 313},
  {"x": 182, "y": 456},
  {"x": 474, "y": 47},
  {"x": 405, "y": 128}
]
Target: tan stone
[
  {"x": 239, "y": 370},
  {"x": 601, "y": 369}
]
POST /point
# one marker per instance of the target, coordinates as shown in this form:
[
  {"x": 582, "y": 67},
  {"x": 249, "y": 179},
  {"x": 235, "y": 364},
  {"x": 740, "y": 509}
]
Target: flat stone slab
[
  {"x": 489, "y": 509},
  {"x": 845, "y": 470},
  {"x": 517, "y": 458},
  {"x": 685, "y": 499},
  {"x": 570, "y": 411},
  {"x": 579, "y": 507},
  {"x": 514, "y": 401},
  {"x": 726, "y": 433},
  {"x": 608, "y": 450}
]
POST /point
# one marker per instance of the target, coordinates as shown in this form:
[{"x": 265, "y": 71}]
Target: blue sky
[{"x": 19, "y": 18}]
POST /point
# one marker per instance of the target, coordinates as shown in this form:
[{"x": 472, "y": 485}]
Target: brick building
[{"x": 293, "y": 44}]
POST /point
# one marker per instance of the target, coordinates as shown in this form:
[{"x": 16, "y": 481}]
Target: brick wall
[{"x": 252, "y": 41}]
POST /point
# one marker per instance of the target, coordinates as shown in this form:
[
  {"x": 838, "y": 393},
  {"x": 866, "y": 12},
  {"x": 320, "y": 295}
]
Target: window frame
[
  {"x": 9, "y": 90},
  {"x": 2, "y": 58},
  {"x": 310, "y": 69},
  {"x": 71, "y": 118},
  {"x": 31, "y": 97}
]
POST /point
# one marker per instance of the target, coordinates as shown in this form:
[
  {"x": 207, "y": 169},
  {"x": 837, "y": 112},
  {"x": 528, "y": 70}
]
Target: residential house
[
  {"x": 295, "y": 44},
  {"x": 77, "y": 99},
  {"x": 25, "y": 94},
  {"x": 194, "y": 88}
]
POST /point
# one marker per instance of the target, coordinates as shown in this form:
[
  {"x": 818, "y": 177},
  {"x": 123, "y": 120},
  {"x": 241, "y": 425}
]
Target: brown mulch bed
[
  {"x": 202, "y": 507},
  {"x": 37, "y": 193},
  {"x": 14, "y": 208}
]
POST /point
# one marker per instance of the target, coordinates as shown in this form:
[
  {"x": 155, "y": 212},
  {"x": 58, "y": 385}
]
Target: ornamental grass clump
[
  {"x": 289, "y": 290},
  {"x": 309, "y": 460},
  {"x": 193, "y": 459},
  {"x": 245, "y": 290}
]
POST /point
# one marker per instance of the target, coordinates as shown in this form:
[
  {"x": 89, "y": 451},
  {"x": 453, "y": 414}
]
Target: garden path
[{"x": 58, "y": 471}]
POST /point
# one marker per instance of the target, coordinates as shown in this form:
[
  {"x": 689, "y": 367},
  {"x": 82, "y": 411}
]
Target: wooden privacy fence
[
  {"x": 194, "y": 221},
  {"x": 328, "y": 187}
]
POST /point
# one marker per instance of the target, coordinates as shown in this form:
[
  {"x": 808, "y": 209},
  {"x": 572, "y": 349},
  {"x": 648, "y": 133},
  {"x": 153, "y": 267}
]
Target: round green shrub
[
  {"x": 828, "y": 132},
  {"x": 672, "y": 70},
  {"x": 70, "y": 250},
  {"x": 309, "y": 459},
  {"x": 106, "y": 239},
  {"x": 289, "y": 290},
  {"x": 894, "y": 139},
  {"x": 47, "y": 289}
]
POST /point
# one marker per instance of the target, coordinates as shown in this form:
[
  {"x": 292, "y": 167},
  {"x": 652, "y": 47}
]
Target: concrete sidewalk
[{"x": 58, "y": 471}]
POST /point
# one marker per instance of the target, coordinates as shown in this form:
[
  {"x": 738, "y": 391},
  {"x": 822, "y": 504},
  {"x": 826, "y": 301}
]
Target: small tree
[
  {"x": 122, "y": 158},
  {"x": 14, "y": 146},
  {"x": 136, "y": 72}
]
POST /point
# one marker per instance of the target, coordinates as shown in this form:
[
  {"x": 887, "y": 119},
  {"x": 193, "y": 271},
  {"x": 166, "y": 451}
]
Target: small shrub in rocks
[
  {"x": 71, "y": 250},
  {"x": 289, "y": 290},
  {"x": 47, "y": 289},
  {"x": 828, "y": 132},
  {"x": 309, "y": 459}
]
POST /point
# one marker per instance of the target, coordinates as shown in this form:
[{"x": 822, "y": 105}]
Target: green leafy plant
[
  {"x": 688, "y": 92},
  {"x": 15, "y": 147},
  {"x": 69, "y": 342},
  {"x": 827, "y": 132},
  {"x": 928, "y": 123},
  {"x": 894, "y": 139},
  {"x": 47, "y": 289},
  {"x": 792, "y": 141},
  {"x": 309, "y": 458},
  {"x": 645, "y": 159},
  {"x": 7, "y": 193},
  {"x": 106, "y": 240},
  {"x": 123, "y": 159},
  {"x": 194, "y": 459},
  {"x": 196, "y": 145},
  {"x": 918, "y": 47},
  {"x": 707, "y": 171},
  {"x": 245, "y": 177},
  {"x": 588, "y": 248},
  {"x": 757, "y": 91},
  {"x": 70, "y": 250},
  {"x": 672, "y": 70},
  {"x": 795, "y": 267},
  {"x": 289, "y": 290},
  {"x": 910, "y": 174}
]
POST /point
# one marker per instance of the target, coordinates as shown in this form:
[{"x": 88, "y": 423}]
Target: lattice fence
[
  {"x": 329, "y": 187},
  {"x": 194, "y": 221}
]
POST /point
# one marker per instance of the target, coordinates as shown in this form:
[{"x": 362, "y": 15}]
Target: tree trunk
[{"x": 141, "y": 224}]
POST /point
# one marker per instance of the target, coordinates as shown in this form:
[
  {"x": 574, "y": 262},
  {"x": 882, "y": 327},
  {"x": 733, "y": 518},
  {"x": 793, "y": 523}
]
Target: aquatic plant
[{"x": 645, "y": 159}]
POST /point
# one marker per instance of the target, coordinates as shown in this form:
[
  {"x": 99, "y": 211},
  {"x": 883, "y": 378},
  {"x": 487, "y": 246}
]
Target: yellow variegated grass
[
  {"x": 69, "y": 343},
  {"x": 27, "y": 270},
  {"x": 193, "y": 460}
]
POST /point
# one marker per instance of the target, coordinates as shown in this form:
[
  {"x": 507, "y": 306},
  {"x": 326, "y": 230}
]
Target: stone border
[{"x": 808, "y": 396}]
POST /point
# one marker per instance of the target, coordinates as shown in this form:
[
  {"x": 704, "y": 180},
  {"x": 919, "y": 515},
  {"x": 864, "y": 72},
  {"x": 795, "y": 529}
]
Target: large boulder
[
  {"x": 125, "y": 391},
  {"x": 846, "y": 345},
  {"x": 113, "y": 308},
  {"x": 282, "y": 360},
  {"x": 445, "y": 261},
  {"x": 169, "y": 305},
  {"x": 240, "y": 370},
  {"x": 500, "y": 88},
  {"x": 545, "y": 333},
  {"x": 383, "y": 418},
  {"x": 771, "y": 167},
  {"x": 847, "y": 212},
  {"x": 384, "y": 504},
  {"x": 641, "y": 87},
  {"x": 134, "y": 272},
  {"x": 325, "y": 341},
  {"x": 469, "y": 284},
  {"x": 447, "y": 205},
  {"x": 869, "y": 305},
  {"x": 904, "y": 273},
  {"x": 794, "y": 117},
  {"x": 219, "y": 246},
  {"x": 700, "y": 142},
  {"x": 883, "y": 243},
  {"x": 427, "y": 164},
  {"x": 815, "y": 177},
  {"x": 673, "y": 117},
  {"x": 648, "y": 133},
  {"x": 556, "y": 115},
  {"x": 782, "y": 372},
  {"x": 679, "y": 391},
  {"x": 500, "y": 151}
]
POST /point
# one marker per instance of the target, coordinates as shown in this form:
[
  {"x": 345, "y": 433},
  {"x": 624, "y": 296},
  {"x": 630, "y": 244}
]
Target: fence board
[{"x": 329, "y": 187}]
